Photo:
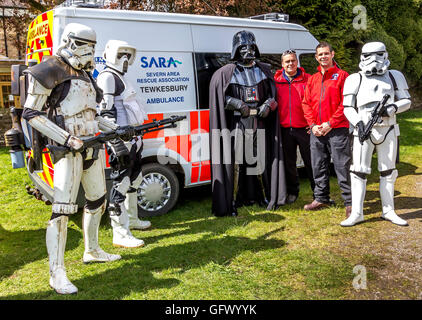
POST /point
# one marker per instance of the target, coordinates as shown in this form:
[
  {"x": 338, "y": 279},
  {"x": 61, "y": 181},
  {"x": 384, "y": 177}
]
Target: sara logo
[{"x": 159, "y": 62}]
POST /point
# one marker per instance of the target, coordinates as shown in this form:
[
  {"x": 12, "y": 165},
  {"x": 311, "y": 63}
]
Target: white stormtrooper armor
[
  {"x": 121, "y": 106},
  {"x": 78, "y": 111},
  {"x": 362, "y": 91}
]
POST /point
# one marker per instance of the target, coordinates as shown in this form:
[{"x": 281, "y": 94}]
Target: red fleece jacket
[
  {"x": 323, "y": 99},
  {"x": 289, "y": 99}
]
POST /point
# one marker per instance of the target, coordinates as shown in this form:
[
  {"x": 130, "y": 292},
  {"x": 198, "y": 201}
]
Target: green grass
[{"x": 189, "y": 253}]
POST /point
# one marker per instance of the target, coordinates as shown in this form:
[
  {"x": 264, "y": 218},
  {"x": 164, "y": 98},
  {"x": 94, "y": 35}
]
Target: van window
[
  {"x": 308, "y": 62},
  {"x": 206, "y": 65}
]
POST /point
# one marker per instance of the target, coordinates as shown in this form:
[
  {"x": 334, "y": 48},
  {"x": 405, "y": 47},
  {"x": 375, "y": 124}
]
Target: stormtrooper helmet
[
  {"x": 374, "y": 59},
  {"x": 244, "y": 47},
  {"x": 78, "y": 46},
  {"x": 119, "y": 55}
]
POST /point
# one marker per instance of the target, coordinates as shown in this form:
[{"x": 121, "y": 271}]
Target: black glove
[
  {"x": 244, "y": 110},
  {"x": 361, "y": 129},
  {"x": 389, "y": 110},
  {"x": 126, "y": 133},
  {"x": 264, "y": 110},
  {"x": 119, "y": 154},
  {"x": 238, "y": 105}
]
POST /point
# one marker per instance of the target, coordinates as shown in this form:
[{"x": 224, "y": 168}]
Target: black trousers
[
  {"x": 293, "y": 137},
  {"x": 335, "y": 145}
]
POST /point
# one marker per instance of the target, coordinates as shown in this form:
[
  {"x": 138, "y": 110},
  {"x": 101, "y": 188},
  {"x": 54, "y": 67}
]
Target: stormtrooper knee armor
[
  {"x": 362, "y": 91},
  {"x": 121, "y": 106}
]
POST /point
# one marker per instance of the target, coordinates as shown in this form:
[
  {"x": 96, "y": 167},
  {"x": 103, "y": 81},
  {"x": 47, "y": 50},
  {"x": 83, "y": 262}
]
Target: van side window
[
  {"x": 272, "y": 59},
  {"x": 308, "y": 62},
  {"x": 206, "y": 65}
]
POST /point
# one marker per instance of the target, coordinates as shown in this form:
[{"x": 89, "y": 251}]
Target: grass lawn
[{"x": 190, "y": 254}]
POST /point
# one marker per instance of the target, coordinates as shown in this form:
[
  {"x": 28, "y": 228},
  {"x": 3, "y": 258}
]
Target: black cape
[{"x": 222, "y": 174}]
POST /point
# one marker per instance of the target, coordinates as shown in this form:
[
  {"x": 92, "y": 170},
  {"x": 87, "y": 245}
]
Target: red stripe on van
[
  {"x": 194, "y": 172},
  {"x": 205, "y": 121},
  {"x": 155, "y": 134},
  {"x": 193, "y": 121},
  {"x": 205, "y": 171},
  {"x": 180, "y": 144}
]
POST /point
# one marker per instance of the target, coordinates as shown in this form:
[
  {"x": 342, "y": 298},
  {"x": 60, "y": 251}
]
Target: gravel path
[{"x": 391, "y": 255}]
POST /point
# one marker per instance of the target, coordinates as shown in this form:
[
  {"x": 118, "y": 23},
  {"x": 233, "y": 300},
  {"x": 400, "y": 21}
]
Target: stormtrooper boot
[
  {"x": 358, "y": 186},
  {"x": 56, "y": 236},
  {"x": 122, "y": 237},
  {"x": 131, "y": 206},
  {"x": 93, "y": 253},
  {"x": 387, "y": 199}
]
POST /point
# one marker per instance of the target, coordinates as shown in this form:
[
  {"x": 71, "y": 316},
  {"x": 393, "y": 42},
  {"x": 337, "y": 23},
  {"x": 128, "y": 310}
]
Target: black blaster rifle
[
  {"x": 376, "y": 116},
  {"x": 59, "y": 152}
]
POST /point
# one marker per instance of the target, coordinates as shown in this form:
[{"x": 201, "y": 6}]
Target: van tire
[{"x": 160, "y": 188}]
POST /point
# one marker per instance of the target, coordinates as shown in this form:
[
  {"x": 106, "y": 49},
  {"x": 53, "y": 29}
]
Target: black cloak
[{"x": 222, "y": 174}]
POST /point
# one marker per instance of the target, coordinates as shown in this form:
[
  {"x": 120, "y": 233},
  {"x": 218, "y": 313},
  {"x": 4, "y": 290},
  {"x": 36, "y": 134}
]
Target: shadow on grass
[
  {"x": 138, "y": 267},
  {"x": 138, "y": 274},
  {"x": 210, "y": 224},
  {"x": 19, "y": 248}
]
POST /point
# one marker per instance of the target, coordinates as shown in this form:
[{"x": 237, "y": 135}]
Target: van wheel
[{"x": 158, "y": 191}]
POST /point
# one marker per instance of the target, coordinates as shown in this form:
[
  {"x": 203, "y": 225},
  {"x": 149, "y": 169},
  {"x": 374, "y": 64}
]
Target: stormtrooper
[
  {"x": 120, "y": 106},
  {"x": 362, "y": 91},
  {"x": 242, "y": 101},
  {"x": 64, "y": 86}
]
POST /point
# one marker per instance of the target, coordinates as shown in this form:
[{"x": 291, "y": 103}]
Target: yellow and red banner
[{"x": 40, "y": 37}]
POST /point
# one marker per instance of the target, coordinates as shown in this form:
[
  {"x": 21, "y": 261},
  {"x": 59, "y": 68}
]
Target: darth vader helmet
[{"x": 244, "y": 47}]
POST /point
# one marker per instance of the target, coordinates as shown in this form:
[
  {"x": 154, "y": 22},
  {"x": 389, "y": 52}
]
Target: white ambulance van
[{"x": 176, "y": 57}]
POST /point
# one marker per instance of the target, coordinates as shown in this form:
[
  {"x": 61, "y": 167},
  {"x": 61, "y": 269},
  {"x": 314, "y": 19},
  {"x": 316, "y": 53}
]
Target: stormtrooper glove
[
  {"x": 74, "y": 143},
  {"x": 126, "y": 133},
  {"x": 121, "y": 154}
]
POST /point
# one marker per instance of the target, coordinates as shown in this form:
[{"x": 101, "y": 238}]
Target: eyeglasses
[{"x": 285, "y": 53}]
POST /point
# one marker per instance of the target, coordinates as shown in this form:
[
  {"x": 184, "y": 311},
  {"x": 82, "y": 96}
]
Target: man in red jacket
[
  {"x": 323, "y": 109},
  {"x": 290, "y": 82}
]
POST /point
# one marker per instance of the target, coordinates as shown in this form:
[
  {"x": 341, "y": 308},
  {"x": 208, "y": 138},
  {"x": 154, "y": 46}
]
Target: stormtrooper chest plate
[
  {"x": 79, "y": 109},
  {"x": 373, "y": 88},
  {"x": 81, "y": 96}
]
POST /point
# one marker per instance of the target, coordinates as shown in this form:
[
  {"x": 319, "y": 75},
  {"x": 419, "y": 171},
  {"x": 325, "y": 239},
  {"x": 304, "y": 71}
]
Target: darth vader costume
[{"x": 246, "y": 151}]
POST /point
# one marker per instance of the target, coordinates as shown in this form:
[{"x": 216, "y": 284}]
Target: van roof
[{"x": 165, "y": 17}]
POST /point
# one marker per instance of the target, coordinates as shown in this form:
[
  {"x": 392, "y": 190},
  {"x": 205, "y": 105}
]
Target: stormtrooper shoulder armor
[
  {"x": 400, "y": 80},
  {"x": 36, "y": 88},
  {"x": 352, "y": 84},
  {"x": 53, "y": 71},
  {"x": 401, "y": 90}
]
